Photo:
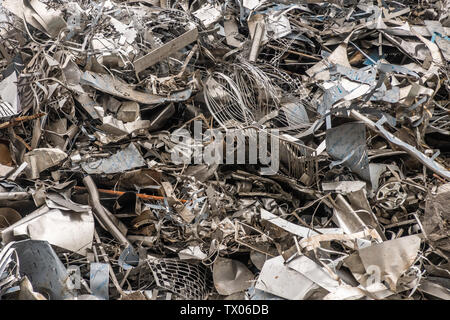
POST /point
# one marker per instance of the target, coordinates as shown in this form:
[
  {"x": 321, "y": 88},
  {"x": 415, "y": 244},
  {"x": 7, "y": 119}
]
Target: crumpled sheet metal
[
  {"x": 277, "y": 278},
  {"x": 124, "y": 160},
  {"x": 314, "y": 272},
  {"x": 231, "y": 276},
  {"x": 99, "y": 280},
  {"x": 38, "y": 15},
  {"x": 39, "y": 263},
  {"x": 436, "y": 215},
  {"x": 9, "y": 105},
  {"x": 354, "y": 97},
  {"x": 41, "y": 159},
  {"x": 392, "y": 257},
  {"x": 347, "y": 144},
  {"x": 64, "y": 228}
]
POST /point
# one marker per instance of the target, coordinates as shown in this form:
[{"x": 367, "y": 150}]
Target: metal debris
[{"x": 260, "y": 150}]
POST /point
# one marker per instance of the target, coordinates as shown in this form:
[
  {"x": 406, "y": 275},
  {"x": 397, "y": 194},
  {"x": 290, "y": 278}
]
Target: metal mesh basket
[{"x": 186, "y": 280}]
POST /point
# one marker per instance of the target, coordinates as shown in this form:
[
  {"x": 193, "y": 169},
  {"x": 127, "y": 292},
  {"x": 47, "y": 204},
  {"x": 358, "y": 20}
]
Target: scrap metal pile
[{"x": 114, "y": 114}]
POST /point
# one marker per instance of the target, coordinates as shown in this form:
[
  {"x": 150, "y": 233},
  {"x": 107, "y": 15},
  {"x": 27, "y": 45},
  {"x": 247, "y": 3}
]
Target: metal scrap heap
[{"x": 209, "y": 149}]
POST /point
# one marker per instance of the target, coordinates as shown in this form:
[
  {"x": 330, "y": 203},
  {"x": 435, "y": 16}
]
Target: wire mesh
[{"x": 188, "y": 281}]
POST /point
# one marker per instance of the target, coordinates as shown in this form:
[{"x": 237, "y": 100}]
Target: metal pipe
[
  {"x": 14, "y": 195},
  {"x": 412, "y": 151},
  {"x": 100, "y": 212}
]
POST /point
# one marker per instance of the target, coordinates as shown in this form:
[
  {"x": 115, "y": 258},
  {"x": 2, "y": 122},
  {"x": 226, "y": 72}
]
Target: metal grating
[
  {"x": 189, "y": 281},
  {"x": 299, "y": 160}
]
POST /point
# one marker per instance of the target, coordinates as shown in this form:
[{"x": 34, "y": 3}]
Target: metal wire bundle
[
  {"x": 440, "y": 121},
  {"x": 242, "y": 96},
  {"x": 246, "y": 94},
  {"x": 249, "y": 98},
  {"x": 226, "y": 102},
  {"x": 258, "y": 91}
]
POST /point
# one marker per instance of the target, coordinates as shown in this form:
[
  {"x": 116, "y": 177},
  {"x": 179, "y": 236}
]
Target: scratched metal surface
[
  {"x": 123, "y": 160},
  {"x": 347, "y": 143}
]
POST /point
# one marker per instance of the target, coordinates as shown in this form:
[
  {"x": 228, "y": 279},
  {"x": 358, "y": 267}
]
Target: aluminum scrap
[{"x": 221, "y": 150}]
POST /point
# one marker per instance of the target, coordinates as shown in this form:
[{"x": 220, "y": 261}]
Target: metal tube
[{"x": 100, "y": 212}]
